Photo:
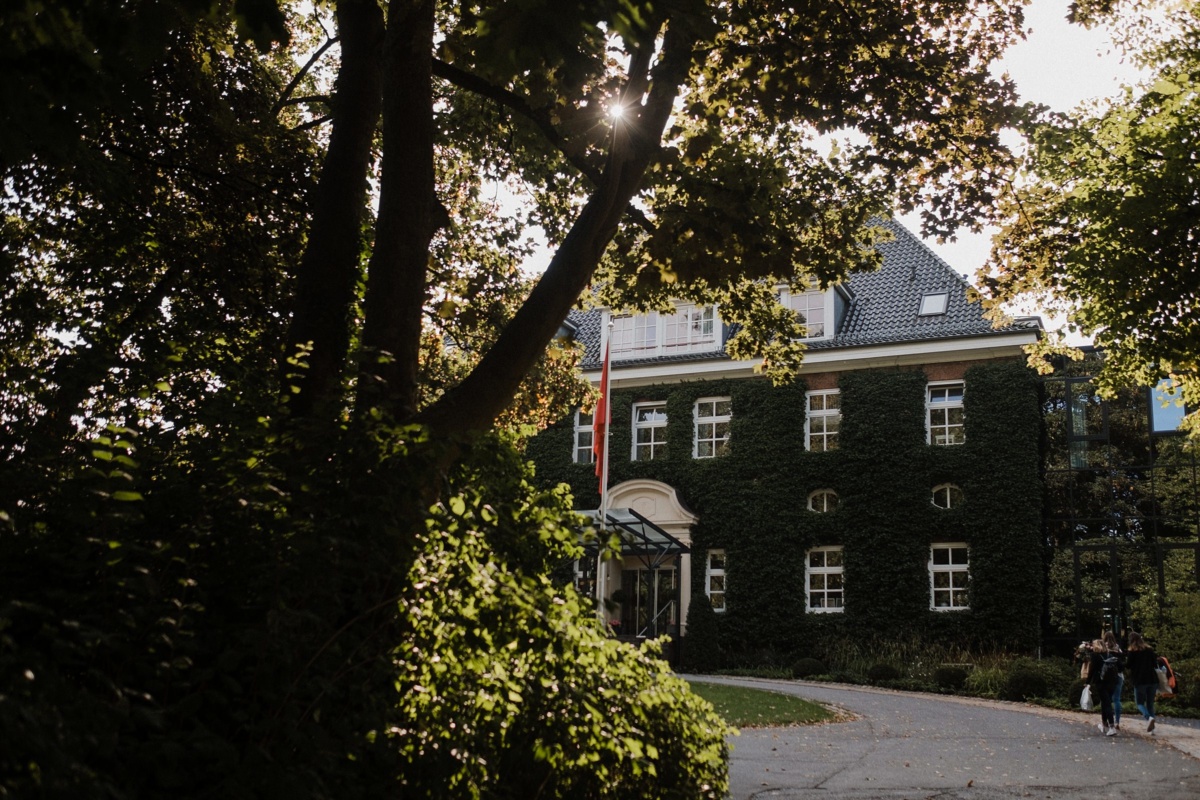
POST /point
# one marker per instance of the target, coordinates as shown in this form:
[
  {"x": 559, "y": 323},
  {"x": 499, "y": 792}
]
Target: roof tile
[{"x": 883, "y": 308}]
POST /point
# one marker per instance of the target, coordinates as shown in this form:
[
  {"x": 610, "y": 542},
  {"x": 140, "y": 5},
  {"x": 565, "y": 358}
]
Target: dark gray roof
[{"x": 883, "y": 306}]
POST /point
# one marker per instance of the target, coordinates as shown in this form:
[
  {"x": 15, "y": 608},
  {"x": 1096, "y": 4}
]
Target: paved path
[{"x": 909, "y": 746}]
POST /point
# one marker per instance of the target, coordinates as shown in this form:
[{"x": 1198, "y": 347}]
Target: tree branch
[
  {"x": 313, "y": 123},
  {"x": 515, "y": 102},
  {"x": 299, "y": 76},
  {"x": 76, "y": 373},
  {"x": 308, "y": 98},
  {"x": 539, "y": 117},
  {"x": 473, "y": 405}
]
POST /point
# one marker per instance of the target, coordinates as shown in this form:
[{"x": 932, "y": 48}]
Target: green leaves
[
  {"x": 1105, "y": 226},
  {"x": 739, "y": 187},
  {"x": 115, "y": 476},
  {"x": 262, "y": 22},
  {"x": 527, "y": 693},
  {"x": 147, "y": 268},
  {"x": 158, "y": 205}
]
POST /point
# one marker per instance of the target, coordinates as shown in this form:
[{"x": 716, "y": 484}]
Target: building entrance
[{"x": 649, "y": 602}]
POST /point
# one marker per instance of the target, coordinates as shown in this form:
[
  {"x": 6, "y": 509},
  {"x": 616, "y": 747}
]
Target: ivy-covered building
[{"x": 892, "y": 488}]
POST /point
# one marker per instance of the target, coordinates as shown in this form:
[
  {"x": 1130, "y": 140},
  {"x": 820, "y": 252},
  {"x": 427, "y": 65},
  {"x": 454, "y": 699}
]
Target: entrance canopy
[{"x": 639, "y": 536}]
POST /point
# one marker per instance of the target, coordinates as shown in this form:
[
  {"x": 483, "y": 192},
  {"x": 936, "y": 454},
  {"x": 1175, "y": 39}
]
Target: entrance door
[{"x": 649, "y": 605}]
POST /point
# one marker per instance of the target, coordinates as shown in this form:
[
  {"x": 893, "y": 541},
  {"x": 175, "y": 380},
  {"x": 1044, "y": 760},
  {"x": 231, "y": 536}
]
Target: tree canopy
[
  {"x": 1105, "y": 223},
  {"x": 263, "y": 324},
  {"x": 726, "y": 166}
]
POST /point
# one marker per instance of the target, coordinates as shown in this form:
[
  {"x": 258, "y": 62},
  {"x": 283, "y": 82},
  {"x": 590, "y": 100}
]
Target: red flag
[{"x": 600, "y": 422}]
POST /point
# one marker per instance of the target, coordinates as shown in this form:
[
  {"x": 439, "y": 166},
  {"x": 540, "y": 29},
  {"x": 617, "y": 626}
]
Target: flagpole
[{"x": 603, "y": 410}]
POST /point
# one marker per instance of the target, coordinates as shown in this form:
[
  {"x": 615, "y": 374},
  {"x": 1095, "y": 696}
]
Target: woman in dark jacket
[
  {"x": 1103, "y": 682},
  {"x": 1142, "y": 665},
  {"x": 1110, "y": 641}
]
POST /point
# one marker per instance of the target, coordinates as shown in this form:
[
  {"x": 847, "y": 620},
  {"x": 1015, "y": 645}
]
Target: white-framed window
[
  {"x": 690, "y": 327},
  {"x": 944, "y": 412},
  {"x": 823, "y": 501},
  {"x": 649, "y": 431},
  {"x": 714, "y": 579},
  {"x": 813, "y": 306},
  {"x": 712, "y": 415},
  {"x": 634, "y": 333},
  {"x": 822, "y": 420},
  {"x": 824, "y": 580},
  {"x": 584, "y": 431},
  {"x": 687, "y": 329},
  {"x": 947, "y": 495},
  {"x": 949, "y": 576}
]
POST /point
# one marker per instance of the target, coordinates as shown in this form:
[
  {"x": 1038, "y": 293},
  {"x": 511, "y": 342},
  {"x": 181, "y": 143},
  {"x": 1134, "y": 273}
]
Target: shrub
[
  {"x": 882, "y": 672},
  {"x": 950, "y": 677},
  {"x": 701, "y": 646},
  {"x": 986, "y": 681},
  {"x": 292, "y": 634},
  {"x": 757, "y": 658},
  {"x": 1187, "y": 682},
  {"x": 1062, "y": 676},
  {"x": 512, "y": 713},
  {"x": 757, "y": 672},
  {"x": 907, "y": 685},
  {"x": 1026, "y": 679},
  {"x": 807, "y": 667}
]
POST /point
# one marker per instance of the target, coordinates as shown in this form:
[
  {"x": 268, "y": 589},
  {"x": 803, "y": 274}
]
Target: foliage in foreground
[
  {"x": 238, "y": 634},
  {"x": 528, "y": 696}
]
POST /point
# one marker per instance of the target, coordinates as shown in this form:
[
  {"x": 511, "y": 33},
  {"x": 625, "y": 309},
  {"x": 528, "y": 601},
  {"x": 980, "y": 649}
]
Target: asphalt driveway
[{"x": 898, "y": 745}]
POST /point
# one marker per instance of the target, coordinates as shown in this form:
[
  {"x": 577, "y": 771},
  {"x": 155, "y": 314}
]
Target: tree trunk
[
  {"x": 396, "y": 275},
  {"x": 473, "y": 405},
  {"x": 329, "y": 269}
]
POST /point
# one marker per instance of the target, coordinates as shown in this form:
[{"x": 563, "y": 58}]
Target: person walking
[
  {"x": 1143, "y": 663},
  {"x": 1083, "y": 657},
  {"x": 1113, "y": 646},
  {"x": 1102, "y": 678}
]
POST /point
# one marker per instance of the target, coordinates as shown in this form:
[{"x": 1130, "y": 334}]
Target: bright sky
[{"x": 1060, "y": 65}]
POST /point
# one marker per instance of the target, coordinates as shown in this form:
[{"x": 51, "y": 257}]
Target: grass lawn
[{"x": 756, "y": 708}]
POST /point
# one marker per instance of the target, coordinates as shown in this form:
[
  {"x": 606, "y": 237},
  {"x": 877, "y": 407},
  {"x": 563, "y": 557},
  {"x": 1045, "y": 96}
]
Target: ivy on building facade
[{"x": 752, "y": 502}]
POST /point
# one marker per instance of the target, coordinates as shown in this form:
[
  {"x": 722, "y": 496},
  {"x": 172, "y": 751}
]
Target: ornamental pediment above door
[{"x": 656, "y": 501}]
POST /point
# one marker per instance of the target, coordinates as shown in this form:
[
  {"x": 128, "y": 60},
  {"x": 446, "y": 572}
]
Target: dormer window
[
  {"x": 933, "y": 304},
  {"x": 688, "y": 329},
  {"x": 813, "y": 307}
]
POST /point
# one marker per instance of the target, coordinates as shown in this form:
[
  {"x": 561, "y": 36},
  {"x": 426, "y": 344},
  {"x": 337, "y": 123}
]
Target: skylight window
[{"x": 933, "y": 303}]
